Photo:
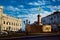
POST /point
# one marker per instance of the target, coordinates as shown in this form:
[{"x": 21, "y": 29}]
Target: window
[
  {"x": 7, "y": 23},
  {"x": 14, "y": 29},
  {"x": 58, "y": 16},
  {"x": 20, "y": 24},
  {"x": 4, "y": 22},
  {"x": 4, "y": 28},
  {"x": 14, "y": 24},
  {"x": 54, "y": 16},
  {"x": 17, "y": 24},
  {"x": 51, "y": 18},
  {"x": 43, "y": 20},
  {"x": 9, "y": 28}
]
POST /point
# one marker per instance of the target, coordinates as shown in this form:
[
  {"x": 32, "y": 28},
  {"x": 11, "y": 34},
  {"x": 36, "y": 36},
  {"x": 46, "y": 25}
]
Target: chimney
[{"x": 39, "y": 19}]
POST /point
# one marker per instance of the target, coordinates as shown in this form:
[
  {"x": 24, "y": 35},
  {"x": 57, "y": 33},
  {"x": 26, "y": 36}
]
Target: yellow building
[{"x": 9, "y": 23}]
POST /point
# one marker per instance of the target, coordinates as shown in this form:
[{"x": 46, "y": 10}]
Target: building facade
[
  {"x": 53, "y": 19},
  {"x": 9, "y": 23},
  {"x": 37, "y": 26}
]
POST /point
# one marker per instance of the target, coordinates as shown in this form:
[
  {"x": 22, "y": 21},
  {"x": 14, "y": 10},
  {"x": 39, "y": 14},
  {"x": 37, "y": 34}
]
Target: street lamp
[{"x": 26, "y": 23}]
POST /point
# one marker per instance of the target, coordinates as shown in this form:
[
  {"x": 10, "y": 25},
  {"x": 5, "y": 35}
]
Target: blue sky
[{"x": 28, "y": 9}]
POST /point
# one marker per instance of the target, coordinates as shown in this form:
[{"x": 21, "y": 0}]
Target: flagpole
[{"x": 39, "y": 10}]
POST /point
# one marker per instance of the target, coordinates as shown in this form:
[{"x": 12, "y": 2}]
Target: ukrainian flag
[{"x": 39, "y": 9}]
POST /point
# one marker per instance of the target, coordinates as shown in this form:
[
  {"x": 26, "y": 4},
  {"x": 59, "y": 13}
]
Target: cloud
[
  {"x": 37, "y": 3},
  {"x": 32, "y": 15},
  {"x": 53, "y": 8},
  {"x": 53, "y": 0},
  {"x": 43, "y": 2},
  {"x": 21, "y": 6},
  {"x": 12, "y": 8},
  {"x": 13, "y": 1},
  {"x": 58, "y": 0},
  {"x": 21, "y": 16},
  {"x": 32, "y": 18},
  {"x": 45, "y": 13},
  {"x": 33, "y": 10},
  {"x": 34, "y": 3}
]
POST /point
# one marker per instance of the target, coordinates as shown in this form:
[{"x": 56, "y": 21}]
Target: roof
[{"x": 53, "y": 13}]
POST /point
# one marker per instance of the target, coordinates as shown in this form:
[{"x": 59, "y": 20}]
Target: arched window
[
  {"x": 4, "y": 22},
  {"x": 14, "y": 24},
  {"x": 20, "y": 24},
  {"x": 7, "y": 23},
  {"x": 9, "y": 28}
]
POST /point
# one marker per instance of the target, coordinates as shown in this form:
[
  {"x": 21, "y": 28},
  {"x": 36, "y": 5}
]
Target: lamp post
[{"x": 26, "y": 23}]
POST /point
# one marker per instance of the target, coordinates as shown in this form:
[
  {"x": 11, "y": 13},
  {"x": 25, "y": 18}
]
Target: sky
[{"x": 28, "y": 9}]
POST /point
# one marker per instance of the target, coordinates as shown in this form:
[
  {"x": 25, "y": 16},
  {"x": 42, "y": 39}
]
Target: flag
[{"x": 39, "y": 9}]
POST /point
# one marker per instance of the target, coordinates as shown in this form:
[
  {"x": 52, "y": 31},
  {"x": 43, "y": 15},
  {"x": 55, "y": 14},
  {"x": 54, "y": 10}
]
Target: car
[{"x": 3, "y": 32}]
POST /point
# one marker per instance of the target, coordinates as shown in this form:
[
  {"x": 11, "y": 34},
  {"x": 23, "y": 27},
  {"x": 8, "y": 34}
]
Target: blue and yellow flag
[{"x": 39, "y": 9}]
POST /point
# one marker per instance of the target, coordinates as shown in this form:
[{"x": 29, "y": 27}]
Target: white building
[{"x": 9, "y": 23}]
